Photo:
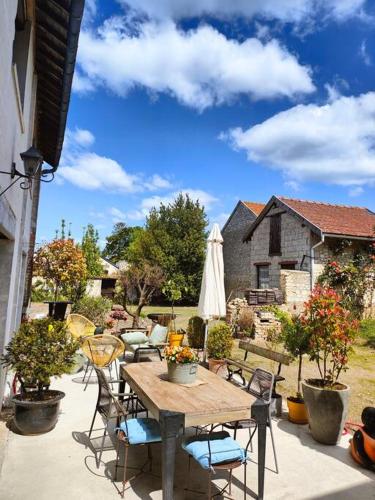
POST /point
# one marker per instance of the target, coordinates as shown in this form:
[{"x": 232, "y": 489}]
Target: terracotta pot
[
  {"x": 327, "y": 410},
  {"x": 215, "y": 365},
  {"x": 297, "y": 411},
  {"x": 175, "y": 339}
]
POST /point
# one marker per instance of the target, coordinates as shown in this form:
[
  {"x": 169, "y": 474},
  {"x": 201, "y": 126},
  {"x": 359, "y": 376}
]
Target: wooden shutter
[{"x": 275, "y": 235}]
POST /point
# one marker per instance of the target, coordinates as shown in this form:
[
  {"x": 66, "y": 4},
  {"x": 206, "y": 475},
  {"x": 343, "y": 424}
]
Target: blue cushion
[
  {"x": 223, "y": 449},
  {"x": 141, "y": 430},
  {"x": 158, "y": 335},
  {"x": 134, "y": 338}
]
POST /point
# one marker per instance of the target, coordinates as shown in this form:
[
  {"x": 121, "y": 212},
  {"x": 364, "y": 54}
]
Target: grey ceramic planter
[{"x": 327, "y": 410}]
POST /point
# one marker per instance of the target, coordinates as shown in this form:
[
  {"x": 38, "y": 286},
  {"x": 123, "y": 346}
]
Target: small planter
[
  {"x": 327, "y": 410},
  {"x": 57, "y": 309},
  {"x": 215, "y": 365},
  {"x": 37, "y": 417},
  {"x": 175, "y": 339},
  {"x": 297, "y": 411},
  {"x": 182, "y": 373},
  {"x": 276, "y": 405}
]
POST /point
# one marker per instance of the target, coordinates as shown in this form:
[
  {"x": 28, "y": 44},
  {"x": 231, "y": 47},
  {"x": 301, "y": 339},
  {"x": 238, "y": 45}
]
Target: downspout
[{"x": 312, "y": 259}]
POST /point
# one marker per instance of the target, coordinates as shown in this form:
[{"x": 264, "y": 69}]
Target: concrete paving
[{"x": 60, "y": 465}]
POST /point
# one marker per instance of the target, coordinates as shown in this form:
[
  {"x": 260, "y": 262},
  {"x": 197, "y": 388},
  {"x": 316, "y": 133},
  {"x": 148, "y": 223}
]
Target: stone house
[
  {"x": 291, "y": 240},
  {"x": 236, "y": 254},
  {"x": 104, "y": 286},
  {"x": 38, "y": 41}
]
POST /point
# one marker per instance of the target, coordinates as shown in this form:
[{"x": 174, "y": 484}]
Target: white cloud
[
  {"x": 117, "y": 215},
  {"x": 364, "y": 53},
  {"x": 220, "y": 218},
  {"x": 356, "y": 191},
  {"x": 89, "y": 170},
  {"x": 82, "y": 84},
  {"x": 283, "y": 10},
  {"x": 199, "y": 67},
  {"x": 205, "y": 199},
  {"x": 83, "y": 137},
  {"x": 334, "y": 143}
]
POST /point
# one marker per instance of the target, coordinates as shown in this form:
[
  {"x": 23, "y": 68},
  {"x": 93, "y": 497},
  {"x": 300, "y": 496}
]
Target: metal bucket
[{"x": 182, "y": 373}]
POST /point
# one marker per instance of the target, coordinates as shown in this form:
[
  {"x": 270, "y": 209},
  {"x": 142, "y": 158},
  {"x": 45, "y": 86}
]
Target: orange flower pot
[{"x": 297, "y": 411}]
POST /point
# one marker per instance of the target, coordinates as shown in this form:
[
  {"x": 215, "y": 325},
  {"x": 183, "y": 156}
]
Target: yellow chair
[
  {"x": 79, "y": 326},
  {"x": 102, "y": 350}
]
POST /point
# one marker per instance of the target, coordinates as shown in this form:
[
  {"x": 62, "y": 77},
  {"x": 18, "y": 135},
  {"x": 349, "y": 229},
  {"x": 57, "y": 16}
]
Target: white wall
[{"x": 16, "y": 134}]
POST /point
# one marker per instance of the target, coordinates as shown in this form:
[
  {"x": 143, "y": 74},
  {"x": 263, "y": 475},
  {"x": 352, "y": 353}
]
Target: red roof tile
[
  {"x": 254, "y": 207},
  {"x": 335, "y": 219}
]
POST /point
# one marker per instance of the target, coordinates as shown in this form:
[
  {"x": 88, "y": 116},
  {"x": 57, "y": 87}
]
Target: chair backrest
[
  {"x": 261, "y": 385},
  {"x": 106, "y": 398},
  {"x": 79, "y": 326},
  {"x": 102, "y": 349}
]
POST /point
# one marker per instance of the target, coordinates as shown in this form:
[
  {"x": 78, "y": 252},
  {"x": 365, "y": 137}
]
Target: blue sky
[{"x": 223, "y": 100}]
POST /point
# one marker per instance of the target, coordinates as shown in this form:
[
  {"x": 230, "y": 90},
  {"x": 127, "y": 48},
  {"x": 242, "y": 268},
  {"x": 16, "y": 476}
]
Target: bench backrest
[{"x": 279, "y": 357}]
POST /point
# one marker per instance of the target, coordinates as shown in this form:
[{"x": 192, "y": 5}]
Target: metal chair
[
  {"x": 102, "y": 351},
  {"x": 109, "y": 408},
  {"x": 218, "y": 451},
  {"x": 261, "y": 386}
]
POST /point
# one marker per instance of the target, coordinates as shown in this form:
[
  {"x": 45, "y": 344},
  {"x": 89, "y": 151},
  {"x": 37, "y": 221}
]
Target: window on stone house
[
  {"x": 21, "y": 44},
  {"x": 263, "y": 276},
  {"x": 275, "y": 235},
  {"x": 290, "y": 265}
]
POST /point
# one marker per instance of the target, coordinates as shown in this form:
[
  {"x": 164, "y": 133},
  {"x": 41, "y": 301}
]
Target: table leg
[
  {"x": 170, "y": 423},
  {"x": 259, "y": 411}
]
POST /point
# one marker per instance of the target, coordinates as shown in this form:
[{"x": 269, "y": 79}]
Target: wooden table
[{"x": 175, "y": 406}]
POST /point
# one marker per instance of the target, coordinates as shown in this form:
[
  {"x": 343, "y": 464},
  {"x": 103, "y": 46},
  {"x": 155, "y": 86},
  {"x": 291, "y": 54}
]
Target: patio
[{"x": 61, "y": 464}]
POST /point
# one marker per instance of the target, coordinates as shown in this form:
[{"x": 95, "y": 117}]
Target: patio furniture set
[{"x": 175, "y": 408}]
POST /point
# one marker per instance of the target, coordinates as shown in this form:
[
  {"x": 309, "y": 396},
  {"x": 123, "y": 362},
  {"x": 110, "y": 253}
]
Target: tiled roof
[
  {"x": 335, "y": 219},
  {"x": 254, "y": 207}
]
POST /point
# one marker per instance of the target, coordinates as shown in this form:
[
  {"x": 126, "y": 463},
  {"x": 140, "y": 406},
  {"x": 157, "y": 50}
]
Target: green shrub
[
  {"x": 95, "y": 309},
  {"x": 219, "y": 342},
  {"x": 41, "y": 349},
  {"x": 367, "y": 331},
  {"x": 195, "y": 331},
  {"x": 245, "y": 321}
]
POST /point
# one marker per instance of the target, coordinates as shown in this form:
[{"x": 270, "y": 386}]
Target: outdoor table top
[{"x": 213, "y": 401}]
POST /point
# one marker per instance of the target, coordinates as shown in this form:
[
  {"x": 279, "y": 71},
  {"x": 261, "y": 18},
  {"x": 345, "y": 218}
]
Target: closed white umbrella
[{"x": 212, "y": 295}]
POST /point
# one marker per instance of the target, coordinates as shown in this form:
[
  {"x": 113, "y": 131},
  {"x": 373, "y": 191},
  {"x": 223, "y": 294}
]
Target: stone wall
[
  {"x": 295, "y": 243},
  {"x": 295, "y": 287},
  {"x": 236, "y": 253}
]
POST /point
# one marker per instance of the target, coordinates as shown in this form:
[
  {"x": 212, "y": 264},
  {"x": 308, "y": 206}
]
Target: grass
[
  {"x": 183, "y": 313},
  {"x": 367, "y": 332}
]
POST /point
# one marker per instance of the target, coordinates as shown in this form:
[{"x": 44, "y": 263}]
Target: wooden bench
[{"x": 239, "y": 367}]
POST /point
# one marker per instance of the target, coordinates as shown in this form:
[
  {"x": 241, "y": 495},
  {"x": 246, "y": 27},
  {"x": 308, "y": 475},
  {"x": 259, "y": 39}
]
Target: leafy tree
[
  {"x": 116, "y": 248},
  {"x": 174, "y": 239},
  {"x": 140, "y": 282},
  {"x": 91, "y": 252},
  {"x": 62, "y": 264}
]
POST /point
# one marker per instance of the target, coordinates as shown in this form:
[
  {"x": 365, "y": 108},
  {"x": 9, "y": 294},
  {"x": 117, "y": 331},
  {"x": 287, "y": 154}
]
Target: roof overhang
[
  {"x": 279, "y": 203},
  {"x": 57, "y": 27}
]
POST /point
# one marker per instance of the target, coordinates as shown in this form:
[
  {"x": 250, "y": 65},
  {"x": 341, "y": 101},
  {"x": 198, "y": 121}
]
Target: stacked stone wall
[{"x": 295, "y": 287}]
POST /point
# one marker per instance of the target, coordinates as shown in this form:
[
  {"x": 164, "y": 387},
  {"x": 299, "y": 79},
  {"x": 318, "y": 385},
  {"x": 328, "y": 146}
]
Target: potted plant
[
  {"x": 195, "y": 332},
  {"x": 41, "y": 349},
  {"x": 219, "y": 346},
  {"x": 182, "y": 364},
  {"x": 173, "y": 292},
  {"x": 296, "y": 340},
  {"x": 97, "y": 310},
  {"x": 62, "y": 266},
  {"x": 332, "y": 331}
]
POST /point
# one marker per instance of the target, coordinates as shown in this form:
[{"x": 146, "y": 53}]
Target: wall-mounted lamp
[{"x": 32, "y": 161}]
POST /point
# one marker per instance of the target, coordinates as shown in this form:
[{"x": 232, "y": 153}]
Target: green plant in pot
[
  {"x": 296, "y": 340},
  {"x": 219, "y": 346},
  {"x": 41, "y": 349},
  {"x": 332, "y": 331},
  {"x": 173, "y": 292}
]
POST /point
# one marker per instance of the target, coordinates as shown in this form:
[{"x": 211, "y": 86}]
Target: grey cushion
[{"x": 131, "y": 338}]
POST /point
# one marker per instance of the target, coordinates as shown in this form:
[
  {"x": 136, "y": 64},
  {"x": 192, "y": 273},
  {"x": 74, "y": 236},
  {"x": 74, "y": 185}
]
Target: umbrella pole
[{"x": 205, "y": 342}]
